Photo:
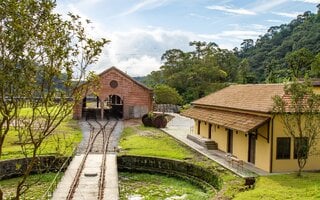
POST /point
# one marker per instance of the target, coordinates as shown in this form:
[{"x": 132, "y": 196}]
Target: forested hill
[
  {"x": 285, "y": 51},
  {"x": 271, "y": 57}
]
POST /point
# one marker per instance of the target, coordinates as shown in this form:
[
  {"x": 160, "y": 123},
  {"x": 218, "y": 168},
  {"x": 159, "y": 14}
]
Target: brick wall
[{"x": 136, "y": 98}]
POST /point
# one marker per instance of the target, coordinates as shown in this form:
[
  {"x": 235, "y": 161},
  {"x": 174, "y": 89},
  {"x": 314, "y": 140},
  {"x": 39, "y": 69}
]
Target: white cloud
[
  {"x": 266, "y": 5},
  {"x": 138, "y": 51},
  {"x": 199, "y": 16},
  {"x": 285, "y": 14},
  {"x": 145, "y": 4},
  {"x": 275, "y": 21},
  {"x": 239, "y": 11},
  {"x": 240, "y": 34},
  {"x": 309, "y": 1}
]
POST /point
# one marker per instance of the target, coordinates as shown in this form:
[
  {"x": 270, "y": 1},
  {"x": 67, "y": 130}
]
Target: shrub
[{"x": 154, "y": 120}]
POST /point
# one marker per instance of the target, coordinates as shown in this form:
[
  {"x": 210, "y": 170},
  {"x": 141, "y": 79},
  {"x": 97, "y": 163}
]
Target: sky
[{"x": 142, "y": 30}]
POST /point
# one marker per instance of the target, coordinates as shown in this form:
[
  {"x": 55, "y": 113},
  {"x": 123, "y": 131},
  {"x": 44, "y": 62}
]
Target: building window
[
  {"x": 283, "y": 147},
  {"x": 300, "y": 147},
  {"x": 113, "y": 84}
]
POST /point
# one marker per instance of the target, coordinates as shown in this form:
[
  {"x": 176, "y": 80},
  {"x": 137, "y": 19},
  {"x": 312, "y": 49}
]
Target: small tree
[
  {"x": 299, "y": 110},
  {"x": 40, "y": 54},
  {"x": 165, "y": 94}
]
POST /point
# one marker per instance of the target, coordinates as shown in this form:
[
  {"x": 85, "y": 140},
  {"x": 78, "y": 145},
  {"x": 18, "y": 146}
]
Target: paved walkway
[{"x": 179, "y": 127}]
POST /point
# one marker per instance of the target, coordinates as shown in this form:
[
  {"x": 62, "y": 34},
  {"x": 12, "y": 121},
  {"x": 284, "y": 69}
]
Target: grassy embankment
[
  {"x": 284, "y": 186},
  {"x": 61, "y": 142},
  {"x": 152, "y": 142},
  {"x": 139, "y": 140},
  {"x": 154, "y": 186},
  {"x": 39, "y": 185}
]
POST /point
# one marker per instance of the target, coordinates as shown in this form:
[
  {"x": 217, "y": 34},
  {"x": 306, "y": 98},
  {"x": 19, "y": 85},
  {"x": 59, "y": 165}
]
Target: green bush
[{"x": 165, "y": 94}]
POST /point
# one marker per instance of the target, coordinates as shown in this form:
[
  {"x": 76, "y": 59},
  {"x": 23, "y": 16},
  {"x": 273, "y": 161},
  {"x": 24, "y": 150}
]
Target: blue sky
[{"x": 142, "y": 30}]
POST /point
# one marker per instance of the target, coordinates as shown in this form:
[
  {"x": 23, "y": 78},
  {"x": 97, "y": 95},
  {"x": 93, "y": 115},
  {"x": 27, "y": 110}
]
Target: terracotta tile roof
[
  {"x": 232, "y": 120},
  {"x": 250, "y": 97}
]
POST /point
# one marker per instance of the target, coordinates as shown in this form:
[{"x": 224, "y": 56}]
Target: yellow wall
[
  {"x": 313, "y": 162},
  {"x": 262, "y": 159},
  {"x": 240, "y": 145},
  {"x": 316, "y": 89},
  {"x": 263, "y": 147},
  {"x": 204, "y": 129},
  {"x": 195, "y": 127},
  {"x": 219, "y": 135}
]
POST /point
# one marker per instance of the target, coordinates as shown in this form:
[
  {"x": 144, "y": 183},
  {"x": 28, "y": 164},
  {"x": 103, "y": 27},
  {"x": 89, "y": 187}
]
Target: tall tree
[
  {"x": 39, "y": 55},
  {"x": 299, "y": 62},
  {"x": 299, "y": 111},
  {"x": 198, "y": 72}
]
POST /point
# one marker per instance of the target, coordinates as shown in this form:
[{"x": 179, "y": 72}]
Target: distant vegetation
[{"x": 285, "y": 51}]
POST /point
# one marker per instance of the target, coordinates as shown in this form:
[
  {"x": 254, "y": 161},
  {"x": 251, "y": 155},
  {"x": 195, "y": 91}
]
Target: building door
[
  {"x": 209, "y": 131},
  {"x": 230, "y": 141},
  {"x": 252, "y": 148}
]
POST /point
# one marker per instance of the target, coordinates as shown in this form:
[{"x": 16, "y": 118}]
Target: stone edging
[
  {"x": 15, "y": 167},
  {"x": 201, "y": 176}
]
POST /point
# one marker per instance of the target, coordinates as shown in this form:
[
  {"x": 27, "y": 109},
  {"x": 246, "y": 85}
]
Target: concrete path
[
  {"x": 111, "y": 191},
  {"x": 63, "y": 187},
  {"x": 179, "y": 127}
]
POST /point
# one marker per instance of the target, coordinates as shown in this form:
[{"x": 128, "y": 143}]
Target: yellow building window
[{"x": 283, "y": 147}]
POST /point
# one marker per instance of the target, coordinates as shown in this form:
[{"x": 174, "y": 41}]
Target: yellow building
[{"x": 239, "y": 119}]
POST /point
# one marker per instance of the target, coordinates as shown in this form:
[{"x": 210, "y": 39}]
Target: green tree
[
  {"x": 299, "y": 62},
  {"x": 40, "y": 54},
  {"x": 196, "y": 73},
  {"x": 244, "y": 72},
  {"x": 165, "y": 94},
  {"x": 300, "y": 114},
  {"x": 315, "y": 66}
]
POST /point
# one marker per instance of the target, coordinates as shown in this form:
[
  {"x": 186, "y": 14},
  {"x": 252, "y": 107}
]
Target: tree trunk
[{"x": 1, "y": 194}]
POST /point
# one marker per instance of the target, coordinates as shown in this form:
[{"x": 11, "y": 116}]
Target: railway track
[{"x": 100, "y": 132}]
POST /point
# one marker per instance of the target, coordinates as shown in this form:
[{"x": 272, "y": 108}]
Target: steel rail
[{"x": 91, "y": 141}]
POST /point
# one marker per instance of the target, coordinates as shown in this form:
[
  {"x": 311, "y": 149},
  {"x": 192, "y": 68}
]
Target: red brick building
[{"x": 117, "y": 95}]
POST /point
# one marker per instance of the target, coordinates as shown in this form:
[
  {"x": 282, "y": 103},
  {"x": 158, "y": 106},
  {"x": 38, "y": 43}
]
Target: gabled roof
[
  {"x": 125, "y": 75},
  {"x": 250, "y": 97},
  {"x": 233, "y": 120}
]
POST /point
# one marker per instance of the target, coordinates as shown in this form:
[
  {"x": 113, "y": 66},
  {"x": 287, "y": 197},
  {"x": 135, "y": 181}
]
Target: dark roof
[
  {"x": 233, "y": 120},
  {"x": 125, "y": 75},
  {"x": 250, "y": 97}
]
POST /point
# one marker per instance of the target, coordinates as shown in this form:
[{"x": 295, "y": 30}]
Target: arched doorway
[
  {"x": 113, "y": 106},
  {"x": 91, "y": 107}
]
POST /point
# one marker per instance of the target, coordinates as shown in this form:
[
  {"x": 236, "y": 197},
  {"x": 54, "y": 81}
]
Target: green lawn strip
[
  {"x": 155, "y": 186},
  {"x": 151, "y": 142},
  {"x": 62, "y": 142},
  {"x": 285, "y": 186},
  {"x": 39, "y": 185},
  {"x": 146, "y": 141}
]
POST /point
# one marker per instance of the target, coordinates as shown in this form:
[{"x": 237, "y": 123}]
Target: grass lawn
[
  {"x": 287, "y": 186},
  {"x": 146, "y": 141},
  {"x": 40, "y": 183},
  {"x": 155, "y": 186},
  {"x": 66, "y": 137},
  {"x": 149, "y": 141}
]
